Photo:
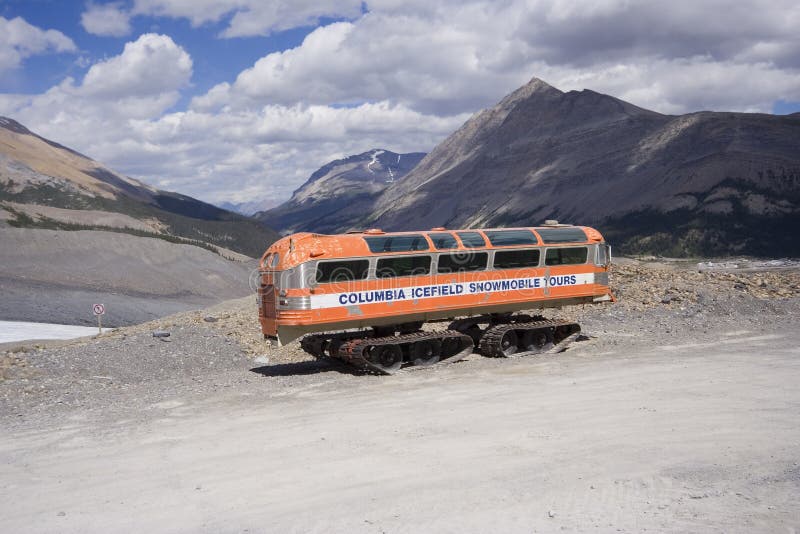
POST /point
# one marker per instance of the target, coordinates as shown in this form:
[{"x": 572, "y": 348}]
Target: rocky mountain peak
[{"x": 590, "y": 158}]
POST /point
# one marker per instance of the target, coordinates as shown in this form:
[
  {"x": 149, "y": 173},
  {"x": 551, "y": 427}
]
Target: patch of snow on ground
[{"x": 12, "y": 331}]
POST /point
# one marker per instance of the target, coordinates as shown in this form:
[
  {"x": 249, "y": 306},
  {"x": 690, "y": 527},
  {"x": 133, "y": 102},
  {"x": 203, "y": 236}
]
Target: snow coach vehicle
[{"x": 363, "y": 297}]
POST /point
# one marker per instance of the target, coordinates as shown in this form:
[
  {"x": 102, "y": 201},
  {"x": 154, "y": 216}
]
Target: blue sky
[
  {"x": 235, "y": 100},
  {"x": 215, "y": 60}
]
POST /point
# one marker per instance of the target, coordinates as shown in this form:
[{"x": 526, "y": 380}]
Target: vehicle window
[
  {"x": 601, "y": 255},
  {"x": 275, "y": 258},
  {"x": 516, "y": 259},
  {"x": 403, "y": 266},
  {"x": 397, "y": 243},
  {"x": 472, "y": 239},
  {"x": 342, "y": 271},
  {"x": 443, "y": 241},
  {"x": 462, "y": 262},
  {"x": 565, "y": 256},
  {"x": 505, "y": 238},
  {"x": 562, "y": 235}
]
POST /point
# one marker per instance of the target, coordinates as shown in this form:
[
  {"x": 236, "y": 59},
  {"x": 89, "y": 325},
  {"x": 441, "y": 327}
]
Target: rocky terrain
[
  {"x": 56, "y": 276},
  {"x": 704, "y": 183},
  {"x": 338, "y": 190},
  {"x": 659, "y": 300},
  {"x": 676, "y": 412}
]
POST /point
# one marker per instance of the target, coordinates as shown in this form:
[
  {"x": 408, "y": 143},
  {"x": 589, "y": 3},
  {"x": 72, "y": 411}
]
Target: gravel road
[{"x": 679, "y": 413}]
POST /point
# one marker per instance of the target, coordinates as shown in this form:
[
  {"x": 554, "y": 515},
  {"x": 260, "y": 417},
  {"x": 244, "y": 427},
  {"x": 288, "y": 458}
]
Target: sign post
[{"x": 99, "y": 310}]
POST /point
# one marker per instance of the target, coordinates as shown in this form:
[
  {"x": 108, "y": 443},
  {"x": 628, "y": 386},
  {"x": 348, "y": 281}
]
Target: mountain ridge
[
  {"x": 338, "y": 188},
  {"x": 591, "y": 158},
  {"x": 35, "y": 171}
]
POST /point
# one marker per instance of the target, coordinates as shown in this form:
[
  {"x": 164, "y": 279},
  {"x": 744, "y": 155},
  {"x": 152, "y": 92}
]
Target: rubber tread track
[
  {"x": 490, "y": 344},
  {"x": 354, "y": 351}
]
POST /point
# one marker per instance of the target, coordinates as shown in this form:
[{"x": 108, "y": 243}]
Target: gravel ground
[
  {"x": 221, "y": 347},
  {"x": 677, "y": 414}
]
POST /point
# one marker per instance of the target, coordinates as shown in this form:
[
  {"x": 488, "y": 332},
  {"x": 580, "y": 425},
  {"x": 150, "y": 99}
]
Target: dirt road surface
[
  {"x": 688, "y": 438},
  {"x": 678, "y": 414}
]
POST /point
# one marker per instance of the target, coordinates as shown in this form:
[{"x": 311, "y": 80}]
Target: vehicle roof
[{"x": 301, "y": 247}]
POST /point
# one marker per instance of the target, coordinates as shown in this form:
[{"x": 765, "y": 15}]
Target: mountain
[
  {"x": 46, "y": 185},
  {"x": 706, "y": 183},
  {"x": 249, "y": 208},
  {"x": 340, "y": 191},
  {"x": 74, "y": 232}
]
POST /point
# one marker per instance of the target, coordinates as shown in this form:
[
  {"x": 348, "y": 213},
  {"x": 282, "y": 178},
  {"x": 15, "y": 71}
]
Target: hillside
[
  {"x": 338, "y": 190},
  {"x": 46, "y": 185},
  {"x": 705, "y": 183}
]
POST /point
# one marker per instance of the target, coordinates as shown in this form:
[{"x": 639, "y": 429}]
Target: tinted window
[
  {"x": 443, "y": 241},
  {"x": 342, "y": 271},
  {"x": 516, "y": 259},
  {"x": 462, "y": 262},
  {"x": 562, "y": 235},
  {"x": 403, "y": 266},
  {"x": 505, "y": 238},
  {"x": 565, "y": 256},
  {"x": 397, "y": 243},
  {"x": 472, "y": 239}
]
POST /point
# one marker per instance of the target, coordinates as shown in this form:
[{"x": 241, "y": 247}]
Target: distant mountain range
[
  {"x": 340, "y": 192},
  {"x": 46, "y": 185},
  {"x": 249, "y": 208},
  {"x": 706, "y": 183}
]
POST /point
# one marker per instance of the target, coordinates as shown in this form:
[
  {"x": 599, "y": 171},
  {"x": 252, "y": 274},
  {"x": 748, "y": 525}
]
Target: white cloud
[
  {"x": 20, "y": 40},
  {"x": 152, "y": 64},
  {"x": 401, "y": 77},
  {"x": 118, "y": 115},
  {"x": 106, "y": 20},
  {"x": 251, "y": 17},
  {"x": 456, "y": 56}
]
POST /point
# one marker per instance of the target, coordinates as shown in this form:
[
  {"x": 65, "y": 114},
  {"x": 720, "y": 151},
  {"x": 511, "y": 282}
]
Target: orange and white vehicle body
[{"x": 324, "y": 283}]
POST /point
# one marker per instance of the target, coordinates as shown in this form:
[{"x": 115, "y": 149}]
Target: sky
[{"x": 241, "y": 100}]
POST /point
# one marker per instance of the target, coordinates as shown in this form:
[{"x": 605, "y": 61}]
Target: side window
[
  {"x": 397, "y": 243},
  {"x": 403, "y": 266},
  {"x": 566, "y": 256},
  {"x": 472, "y": 239},
  {"x": 600, "y": 258},
  {"x": 275, "y": 259},
  {"x": 443, "y": 241},
  {"x": 562, "y": 235},
  {"x": 462, "y": 262},
  {"x": 341, "y": 271},
  {"x": 516, "y": 259},
  {"x": 506, "y": 238}
]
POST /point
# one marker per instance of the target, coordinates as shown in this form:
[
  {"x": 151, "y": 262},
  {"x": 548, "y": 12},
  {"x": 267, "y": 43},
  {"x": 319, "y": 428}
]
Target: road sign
[{"x": 99, "y": 309}]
